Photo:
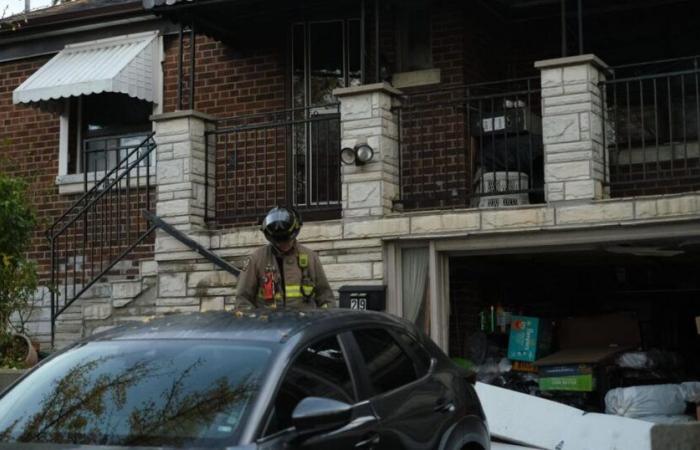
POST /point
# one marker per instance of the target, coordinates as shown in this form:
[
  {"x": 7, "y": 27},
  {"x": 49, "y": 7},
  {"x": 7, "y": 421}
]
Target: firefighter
[{"x": 283, "y": 273}]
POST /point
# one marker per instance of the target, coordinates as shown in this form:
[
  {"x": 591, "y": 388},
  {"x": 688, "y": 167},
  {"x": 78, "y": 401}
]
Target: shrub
[{"x": 18, "y": 278}]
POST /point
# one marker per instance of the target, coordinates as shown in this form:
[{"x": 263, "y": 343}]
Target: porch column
[
  {"x": 572, "y": 128},
  {"x": 367, "y": 118},
  {"x": 182, "y": 170}
]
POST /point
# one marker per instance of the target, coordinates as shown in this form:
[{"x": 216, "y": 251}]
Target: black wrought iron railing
[
  {"x": 289, "y": 157},
  {"x": 651, "y": 123},
  {"x": 106, "y": 223},
  {"x": 476, "y": 146}
]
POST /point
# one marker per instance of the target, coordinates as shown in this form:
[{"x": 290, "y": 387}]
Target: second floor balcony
[{"x": 474, "y": 112}]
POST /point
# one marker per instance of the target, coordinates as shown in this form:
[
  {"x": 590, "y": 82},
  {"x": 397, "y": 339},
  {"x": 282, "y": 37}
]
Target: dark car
[{"x": 334, "y": 379}]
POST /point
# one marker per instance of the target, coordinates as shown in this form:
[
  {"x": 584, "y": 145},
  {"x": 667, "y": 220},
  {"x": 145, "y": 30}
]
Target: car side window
[
  {"x": 320, "y": 370},
  {"x": 418, "y": 351},
  {"x": 389, "y": 367}
]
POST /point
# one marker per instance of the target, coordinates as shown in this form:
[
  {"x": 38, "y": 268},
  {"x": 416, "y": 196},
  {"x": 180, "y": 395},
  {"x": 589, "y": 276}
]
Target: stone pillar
[
  {"x": 572, "y": 128},
  {"x": 182, "y": 167},
  {"x": 367, "y": 118}
]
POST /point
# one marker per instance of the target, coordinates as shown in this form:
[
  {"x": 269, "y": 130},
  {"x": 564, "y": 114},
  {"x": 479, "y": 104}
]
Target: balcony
[
  {"x": 651, "y": 127},
  {"x": 477, "y": 145},
  {"x": 289, "y": 157},
  {"x": 482, "y": 145}
]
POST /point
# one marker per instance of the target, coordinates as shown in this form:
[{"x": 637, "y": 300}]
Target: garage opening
[{"x": 608, "y": 317}]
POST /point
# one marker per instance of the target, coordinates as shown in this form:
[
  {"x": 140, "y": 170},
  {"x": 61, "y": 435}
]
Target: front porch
[{"x": 464, "y": 140}]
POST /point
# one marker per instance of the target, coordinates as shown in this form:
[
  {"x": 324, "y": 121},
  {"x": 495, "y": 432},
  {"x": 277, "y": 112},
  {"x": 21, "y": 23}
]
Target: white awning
[{"x": 125, "y": 64}]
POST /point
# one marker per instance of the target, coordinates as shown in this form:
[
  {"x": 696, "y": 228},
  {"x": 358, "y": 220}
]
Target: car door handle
[
  {"x": 444, "y": 405},
  {"x": 373, "y": 439}
]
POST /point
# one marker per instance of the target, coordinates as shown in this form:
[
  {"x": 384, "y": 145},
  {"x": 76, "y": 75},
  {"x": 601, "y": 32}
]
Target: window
[
  {"x": 413, "y": 36},
  {"x": 325, "y": 56},
  {"x": 319, "y": 371},
  {"x": 419, "y": 352},
  {"x": 103, "y": 129},
  {"x": 388, "y": 366},
  {"x": 415, "y": 287},
  {"x": 172, "y": 393}
]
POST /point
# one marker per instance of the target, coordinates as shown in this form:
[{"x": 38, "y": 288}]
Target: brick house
[{"x": 541, "y": 155}]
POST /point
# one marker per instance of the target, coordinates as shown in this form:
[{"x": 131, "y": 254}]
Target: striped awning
[{"x": 124, "y": 64}]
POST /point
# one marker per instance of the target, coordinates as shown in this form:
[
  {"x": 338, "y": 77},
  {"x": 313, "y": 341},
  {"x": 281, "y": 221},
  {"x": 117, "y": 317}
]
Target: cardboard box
[
  {"x": 585, "y": 344},
  {"x": 575, "y": 377},
  {"x": 530, "y": 338}
]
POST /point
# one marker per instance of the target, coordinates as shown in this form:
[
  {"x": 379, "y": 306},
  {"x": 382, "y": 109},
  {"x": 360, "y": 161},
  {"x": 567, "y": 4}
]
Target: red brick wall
[
  {"x": 29, "y": 149},
  {"x": 226, "y": 85}
]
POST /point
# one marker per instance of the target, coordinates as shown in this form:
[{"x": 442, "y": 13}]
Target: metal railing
[
  {"x": 105, "y": 224},
  {"x": 289, "y": 157},
  {"x": 651, "y": 123},
  {"x": 477, "y": 146}
]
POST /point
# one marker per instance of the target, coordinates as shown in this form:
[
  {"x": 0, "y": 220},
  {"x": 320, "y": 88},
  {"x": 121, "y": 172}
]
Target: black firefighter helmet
[{"x": 281, "y": 225}]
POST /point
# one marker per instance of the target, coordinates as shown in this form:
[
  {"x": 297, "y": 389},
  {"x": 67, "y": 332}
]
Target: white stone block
[
  {"x": 178, "y": 125},
  {"x": 165, "y": 196},
  {"x": 378, "y": 270},
  {"x": 321, "y": 231},
  {"x": 356, "y": 107},
  {"x": 584, "y": 155},
  {"x": 580, "y": 190},
  {"x": 517, "y": 218},
  {"x": 348, "y": 271},
  {"x": 573, "y": 108},
  {"x": 182, "y": 149},
  {"x": 575, "y": 74},
  {"x": 599, "y": 212},
  {"x": 242, "y": 237},
  {"x": 551, "y": 77},
  {"x": 97, "y": 312},
  {"x": 170, "y": 171},
  {"x": 377, "y": 227},
  {"x": 678, "y": 205},
  {"x": 445, "y": 222},
  {"x": 567, "y": 147},
  {"x": 571, "y": 99},
  {"x": 359, "y": 212},
  {"x": 552, "y": 91},
  {"x": 182, "y": 309},
  {"x": 170, "y": 208},
  {"x": 172, "y": 284},
  {"x": 364, "y": 195},
  {"x": 212, "y": 291},
  {"x": 358, "y": 243},
  {"x": 568, "y": 171},
  {"x": 126, "y": 289},
  {"x": 584, "y": 121},
  {"x": 217, "y": 278},
  {"x": 560, "y": 129},
  {"x": 212, "y": 304},
  {"x": 554, "y": 192},
  {"x": 177, "y": 301},
  {"x": 363, "y": 256}
]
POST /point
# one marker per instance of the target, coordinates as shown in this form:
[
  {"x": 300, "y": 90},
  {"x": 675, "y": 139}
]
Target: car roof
[{"x": 255, "y": 325}]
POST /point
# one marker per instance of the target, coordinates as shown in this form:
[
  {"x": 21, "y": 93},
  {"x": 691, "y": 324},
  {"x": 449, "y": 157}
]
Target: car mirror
[{"x": 318, "y": 414}]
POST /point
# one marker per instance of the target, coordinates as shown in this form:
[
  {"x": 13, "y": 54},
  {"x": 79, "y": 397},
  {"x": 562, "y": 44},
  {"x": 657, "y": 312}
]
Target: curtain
[{"x": 414, "y": 280}]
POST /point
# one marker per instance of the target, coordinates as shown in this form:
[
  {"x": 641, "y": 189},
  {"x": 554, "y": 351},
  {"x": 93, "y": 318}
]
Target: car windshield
[{"x": 149, "y": 393}]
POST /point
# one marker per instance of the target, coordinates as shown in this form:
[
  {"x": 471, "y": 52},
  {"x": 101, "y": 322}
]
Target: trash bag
[
  {"x": 640, "y": 401},
  {"x": 691, "y": 391},
  {"x": 634, "y": 360}
]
